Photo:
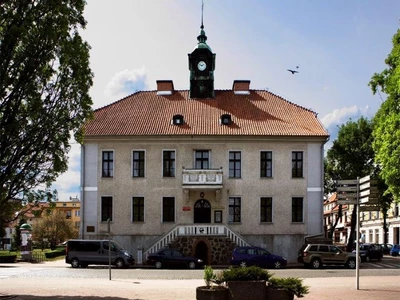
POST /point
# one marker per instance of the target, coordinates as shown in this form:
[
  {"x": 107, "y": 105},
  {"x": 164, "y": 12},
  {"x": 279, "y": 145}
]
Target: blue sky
[{"x": 337, "y": 44}]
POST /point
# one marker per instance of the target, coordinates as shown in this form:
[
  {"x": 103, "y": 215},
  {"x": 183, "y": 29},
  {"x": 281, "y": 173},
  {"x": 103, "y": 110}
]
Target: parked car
[
  {"x": 386, "y": 248},
  {"x": 81, "y": 253},
  {"x": 173, "y": 258},
  {"x": 370, "y": 251},
  {"x": 317, "y": 255},
  {"x": 256, "y": 256},
  {"x": 395, "y": 251}
]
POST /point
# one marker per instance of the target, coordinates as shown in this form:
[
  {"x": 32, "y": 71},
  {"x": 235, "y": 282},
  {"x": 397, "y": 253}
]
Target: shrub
[
  {"x": 8, "y": 258},
  {"x": 55, "y": 253},
  {"x": 246, "y": 274},
  {"x": 291, "y": 284}
]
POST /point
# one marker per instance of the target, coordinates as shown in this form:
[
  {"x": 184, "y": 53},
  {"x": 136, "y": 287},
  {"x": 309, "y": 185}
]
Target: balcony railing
[{"x": 203, "y": 177}]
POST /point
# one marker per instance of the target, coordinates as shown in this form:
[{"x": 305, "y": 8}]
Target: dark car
[
  {"x": 256, "y": 256},
  {"x": 395, "y": 251},
  {"x": 173, "y": 258},
  {"x": 386, "y": 248},
  {"x": 370, "y": 251}
]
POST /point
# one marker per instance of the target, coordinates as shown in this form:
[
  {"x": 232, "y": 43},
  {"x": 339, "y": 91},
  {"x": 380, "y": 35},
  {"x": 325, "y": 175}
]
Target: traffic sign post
[{"x": 353, "y": 192}]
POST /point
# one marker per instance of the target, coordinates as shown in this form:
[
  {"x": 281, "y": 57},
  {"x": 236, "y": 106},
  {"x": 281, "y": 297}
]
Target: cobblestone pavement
[{"x": 35, "y": 288}]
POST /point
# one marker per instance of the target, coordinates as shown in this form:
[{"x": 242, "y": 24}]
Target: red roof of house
[{"x": 259, "y": 113}]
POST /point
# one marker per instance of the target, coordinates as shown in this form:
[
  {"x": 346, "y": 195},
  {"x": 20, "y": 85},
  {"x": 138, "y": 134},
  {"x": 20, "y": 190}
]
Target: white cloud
[
  {"x": 333, "y": 120},
  {"x": 126, "y": 82},
  {"x": 342, "y": 115}
]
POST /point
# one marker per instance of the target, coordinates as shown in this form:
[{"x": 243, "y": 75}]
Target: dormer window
[
  {"x": 226, "y": 119},
  {"x": 177, "y": 120}
]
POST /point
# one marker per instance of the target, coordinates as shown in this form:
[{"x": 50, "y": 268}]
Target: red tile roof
[{"x": 261, "y": 113}]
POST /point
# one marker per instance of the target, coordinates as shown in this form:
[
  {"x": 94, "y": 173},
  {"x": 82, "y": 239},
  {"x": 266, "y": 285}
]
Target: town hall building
[{"x": 202, "y": 169}]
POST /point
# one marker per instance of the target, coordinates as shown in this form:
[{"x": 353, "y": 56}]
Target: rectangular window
[
  {"x": 266, "y": 164},
  {"x": 297, "y": 164},
  {"x": 235, "y": 161},
  {"x": 168, "y": 209},
  {"x": 138, "y": 163},
  {"x": 297, "y": 209},
  {"x": 106, "y": 208},
  {"x": 137, "y": 209},
  {"x": 266, "y": 209},
  {"x": 202, "y": 159},
  {"x": 218, "y": 216},
  {"x": 77, "y": 213},
  {"x": 234, "y": 209},
  {"x": 107, "y": 164},
  {"x": 168, "y": 163}
]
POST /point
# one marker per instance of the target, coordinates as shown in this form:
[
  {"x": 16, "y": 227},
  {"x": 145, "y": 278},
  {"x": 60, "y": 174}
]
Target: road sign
[
  {"x": 365, "y": 179},
  {"x": 369, "y": 192},
  {"x": 347, "y": 201},
  {"x": 347, "y": 195},
  {"x": 369, "y": 208},
  {"x": 349, "y": 188},
  {"x": 346, "y": 182},
  {"x": 369, "y": 200},
  {"x": 369, "y": 185}
]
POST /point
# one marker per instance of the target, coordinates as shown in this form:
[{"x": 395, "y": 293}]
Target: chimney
[
  {"x": 241, "y": 87},
  {"x": 165, "y": 87}
]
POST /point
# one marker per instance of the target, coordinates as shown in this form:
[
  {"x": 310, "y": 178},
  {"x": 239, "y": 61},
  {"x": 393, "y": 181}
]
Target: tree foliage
[
  {"x": 387, "y": 119},
  {"x": 44, "y": 93},
  {"x": 351, "y": 156},
  {"x": 55, "y": 227}
]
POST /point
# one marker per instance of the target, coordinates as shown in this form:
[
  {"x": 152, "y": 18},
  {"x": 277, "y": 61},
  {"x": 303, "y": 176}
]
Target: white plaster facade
[{"x": 281, "y": 236}]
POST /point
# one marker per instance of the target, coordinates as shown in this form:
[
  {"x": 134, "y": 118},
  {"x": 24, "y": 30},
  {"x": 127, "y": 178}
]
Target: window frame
[
  {"x": 264, "y": 171},
  {"x": 232, "y": 214},
  {"x": 139, "y": 207},
  {"x": 140, "y": 161},
  {"x": 297, "y": 210},
  {"x": 267, "y": 209},
  {"x": 168, "y": 172},
  {"x": 297, "y": 171},
  {"x": 201, "y": 160},
  {"x": 170, "y": 214},
  {"x": 234, "y": 161},
  {"x": 109, "y": 214},
  {"x": 108, "y": 162}
]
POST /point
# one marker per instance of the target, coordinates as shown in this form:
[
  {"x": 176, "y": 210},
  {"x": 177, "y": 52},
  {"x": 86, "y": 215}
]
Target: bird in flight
[{"x": 293, "y": 71}]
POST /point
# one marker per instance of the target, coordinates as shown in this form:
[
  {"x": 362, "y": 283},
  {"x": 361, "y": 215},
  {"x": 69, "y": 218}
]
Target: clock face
[{"x": 201, "y": 65}]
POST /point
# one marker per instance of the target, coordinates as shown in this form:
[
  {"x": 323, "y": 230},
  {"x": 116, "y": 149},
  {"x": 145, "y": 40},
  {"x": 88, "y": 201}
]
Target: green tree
[
  {"x": 351, "y": 156},
  {"x": 44, "y": 94},
  {"x": 386, "y": 131},
  {"x": 55, "y": 227}
]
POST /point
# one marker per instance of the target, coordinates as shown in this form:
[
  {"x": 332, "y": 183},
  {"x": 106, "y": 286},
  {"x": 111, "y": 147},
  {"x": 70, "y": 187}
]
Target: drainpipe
[{"x": 82, "y": 229}]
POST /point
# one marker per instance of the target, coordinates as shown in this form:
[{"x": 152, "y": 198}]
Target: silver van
[{"x": 81, "y": 253}]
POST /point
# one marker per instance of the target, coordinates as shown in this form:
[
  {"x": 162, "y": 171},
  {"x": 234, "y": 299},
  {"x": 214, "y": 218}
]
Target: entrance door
[
  {"x": 201, "y": 252},
  {"x": 202, "y": 211}
]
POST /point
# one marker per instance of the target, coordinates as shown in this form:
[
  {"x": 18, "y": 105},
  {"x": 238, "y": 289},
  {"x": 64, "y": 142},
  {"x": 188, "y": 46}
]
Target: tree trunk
[{"x": 350, "y": 241}]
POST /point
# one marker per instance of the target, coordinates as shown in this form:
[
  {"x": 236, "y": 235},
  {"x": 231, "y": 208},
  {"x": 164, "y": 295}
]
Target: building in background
[
  {"x": 71, "y": 208},
  {"x": 371, "y": 223}
]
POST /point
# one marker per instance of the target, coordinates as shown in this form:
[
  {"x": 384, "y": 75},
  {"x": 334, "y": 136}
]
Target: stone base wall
[{"x": 219, "y": 248}]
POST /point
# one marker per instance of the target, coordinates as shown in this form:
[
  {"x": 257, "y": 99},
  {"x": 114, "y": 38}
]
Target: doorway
[
  {"x": 201, "y": 252},
  {"x": 202, "y": 211}
]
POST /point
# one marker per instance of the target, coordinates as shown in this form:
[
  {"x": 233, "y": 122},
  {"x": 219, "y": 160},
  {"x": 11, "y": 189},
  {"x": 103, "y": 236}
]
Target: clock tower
[{"x": 201, "y": 66}]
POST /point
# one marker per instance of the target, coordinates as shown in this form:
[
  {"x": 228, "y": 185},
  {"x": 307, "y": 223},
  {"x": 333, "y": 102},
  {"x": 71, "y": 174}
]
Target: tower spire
[
  {"x": 202, "y": 10},
  {"x": 202, "y": 38}
]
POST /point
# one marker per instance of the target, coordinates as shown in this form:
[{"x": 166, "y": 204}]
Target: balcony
[{"x": 207, "y": 179}]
